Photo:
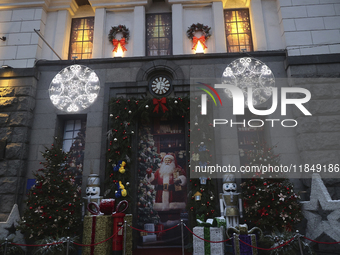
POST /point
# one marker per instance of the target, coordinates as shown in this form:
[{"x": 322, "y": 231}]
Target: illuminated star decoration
[
  {"x": 8, "y": 228},
  {"x": 11, "y": 230},
  {"x": 250, "y": 72},
  {"x": 74, "y": 88},
  {"x": 321, "y": 200}
]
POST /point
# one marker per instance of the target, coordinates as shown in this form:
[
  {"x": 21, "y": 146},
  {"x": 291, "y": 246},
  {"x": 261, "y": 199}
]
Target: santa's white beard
[{"x": 167, "y": 169}]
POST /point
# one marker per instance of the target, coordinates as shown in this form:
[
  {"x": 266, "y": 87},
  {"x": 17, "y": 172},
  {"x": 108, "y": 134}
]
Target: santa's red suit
[{"x": 167, "y": 198}]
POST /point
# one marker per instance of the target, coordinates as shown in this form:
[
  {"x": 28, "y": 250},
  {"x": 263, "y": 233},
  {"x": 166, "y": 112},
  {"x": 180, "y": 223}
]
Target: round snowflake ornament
[
  {"x": 74, "y": 88},
  {"x": 250, "y": 72}
]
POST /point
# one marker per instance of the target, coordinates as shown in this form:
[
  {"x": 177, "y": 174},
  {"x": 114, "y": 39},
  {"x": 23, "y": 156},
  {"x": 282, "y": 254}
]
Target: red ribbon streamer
[
  {"x": 160, "y": 102},
  {"x": 122, "y": 43},
  {"x": 201, "y": 40}
]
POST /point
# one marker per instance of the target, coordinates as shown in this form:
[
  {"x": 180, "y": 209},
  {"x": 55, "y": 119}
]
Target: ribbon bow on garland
[
  {"x": 160, "y": 102},
  {"x": 116, "y": 42},
  {"x": 201, "y": 40}
]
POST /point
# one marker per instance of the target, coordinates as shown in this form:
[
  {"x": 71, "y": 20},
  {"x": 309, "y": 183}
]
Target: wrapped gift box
[
  {"x": 205, "y": 248},
  {"x": 243, "y": 249},
  {"x": 97, "y": 228}
]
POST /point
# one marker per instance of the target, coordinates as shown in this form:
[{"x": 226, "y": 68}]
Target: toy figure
[{"x": 230, "y": 201}]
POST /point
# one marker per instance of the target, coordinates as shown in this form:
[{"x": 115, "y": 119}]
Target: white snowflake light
[
  {"x": 250, "y": 72},
  {"x": 74, "y": 88}
]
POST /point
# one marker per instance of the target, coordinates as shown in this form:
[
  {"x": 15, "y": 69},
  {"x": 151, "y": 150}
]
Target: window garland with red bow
[
  {"x": 112, "y": 37},
  {"x": 205, "y": 34}
]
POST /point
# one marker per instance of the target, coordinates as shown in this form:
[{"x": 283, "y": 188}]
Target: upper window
[
  {"x": 238, "y": 32},
  {"x": 81, "y": 38},
  {"x": 158, "y": 34}
]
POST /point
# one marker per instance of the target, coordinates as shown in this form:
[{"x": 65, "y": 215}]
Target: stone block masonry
[{"x": 17, "y": 101}]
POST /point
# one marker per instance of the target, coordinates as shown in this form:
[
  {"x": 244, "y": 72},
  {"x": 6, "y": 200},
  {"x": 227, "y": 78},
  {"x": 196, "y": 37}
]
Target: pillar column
[{"x": 98, "y": 35}]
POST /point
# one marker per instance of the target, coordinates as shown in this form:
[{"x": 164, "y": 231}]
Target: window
[
  {"x": 81, "y": 38},
  {"x": 74, "y": 145},
  {"x": 73, "y": 129},
  {"x": 158, "y": 34},
  {"x": 238, "y": 32}
]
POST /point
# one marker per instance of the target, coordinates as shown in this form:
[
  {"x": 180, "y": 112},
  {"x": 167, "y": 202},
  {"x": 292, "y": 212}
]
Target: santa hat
[{"x": 170, "y": 156}]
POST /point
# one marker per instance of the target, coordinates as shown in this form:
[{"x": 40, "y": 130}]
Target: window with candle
[
  {"x": 238, "y": 30},
  {"x": 158, "y": 34},
  {"x": 81, "y": 41}
]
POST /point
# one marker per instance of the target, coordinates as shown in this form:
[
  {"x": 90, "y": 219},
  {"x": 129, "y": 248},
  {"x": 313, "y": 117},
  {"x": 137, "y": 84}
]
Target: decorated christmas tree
[
  {"x": 53, "y": 207},
  {"x": 148, "y": 162},
  {"x": 269, "y": 199},
  {"x": 203, "y": 194}
]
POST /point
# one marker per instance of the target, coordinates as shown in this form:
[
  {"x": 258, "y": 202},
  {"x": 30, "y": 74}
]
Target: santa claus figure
[{"x": 170, "y": 181}]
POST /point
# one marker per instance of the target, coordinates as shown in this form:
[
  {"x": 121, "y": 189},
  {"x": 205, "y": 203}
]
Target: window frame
[
  {"x": 70, "y": 54},
  {"x": 250, "y": 30},
  {"x": 146, "y": 35}
]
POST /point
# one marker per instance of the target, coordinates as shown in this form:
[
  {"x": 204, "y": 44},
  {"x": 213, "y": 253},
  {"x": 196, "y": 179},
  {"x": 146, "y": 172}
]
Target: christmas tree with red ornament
[
  {"x": 269, "y": 199},
  {"x": 149, "y": 161},
  {"x": 202, "y": 196},
  {"x": 53, "y": 206}
]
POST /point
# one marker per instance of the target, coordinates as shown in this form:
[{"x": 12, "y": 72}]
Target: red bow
[
  {"x": 115, "y": 43},
  {"x": 160, "y": 102},
  {"x": 202, "y": 41}
]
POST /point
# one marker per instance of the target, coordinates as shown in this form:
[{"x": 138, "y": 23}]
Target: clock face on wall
[{"x": 160, "y": 85}]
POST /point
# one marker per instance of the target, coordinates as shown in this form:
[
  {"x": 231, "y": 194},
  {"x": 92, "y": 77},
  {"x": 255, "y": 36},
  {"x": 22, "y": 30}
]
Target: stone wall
[
  {"x": 22, "y": 45},
  {"x": 17, "y": 101},
  {"x": 310, "y": 26},
  {"x": 318, "y": 135}
]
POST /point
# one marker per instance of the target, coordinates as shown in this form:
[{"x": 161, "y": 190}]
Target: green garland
[
  {"x": 198, "y": 27},
  {"x": 119, "y": 29}
]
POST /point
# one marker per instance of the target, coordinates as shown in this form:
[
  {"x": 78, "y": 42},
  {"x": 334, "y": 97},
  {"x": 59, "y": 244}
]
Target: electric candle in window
[
  {"x": 199, "y": 47},
  {"x": 119, "y": 52}
]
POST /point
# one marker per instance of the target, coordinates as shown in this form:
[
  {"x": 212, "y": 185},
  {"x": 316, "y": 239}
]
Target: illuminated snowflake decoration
[
  {"x": 250, "y": 72},
  {"x": 74, "y": 88}
]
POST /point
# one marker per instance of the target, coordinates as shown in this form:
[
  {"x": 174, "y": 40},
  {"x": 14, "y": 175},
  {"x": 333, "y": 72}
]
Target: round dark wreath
[
  {"x": 119, "y": 29},
  {"x": 198, "y": 27}
]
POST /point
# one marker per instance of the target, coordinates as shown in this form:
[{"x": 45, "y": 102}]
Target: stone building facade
[{"x": 294, "y": 38}]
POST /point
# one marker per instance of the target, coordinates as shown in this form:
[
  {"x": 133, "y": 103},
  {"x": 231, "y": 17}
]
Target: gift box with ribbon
[
  {"x": 211, "y": 230},
  {"x": 97, "y": 228},
  {"x": 242, "y": 235}
]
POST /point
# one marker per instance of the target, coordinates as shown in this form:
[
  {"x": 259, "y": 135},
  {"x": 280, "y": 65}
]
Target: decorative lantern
[
  {"x": 198, "y": 196},
  {"x": 203, "y": 180}
]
